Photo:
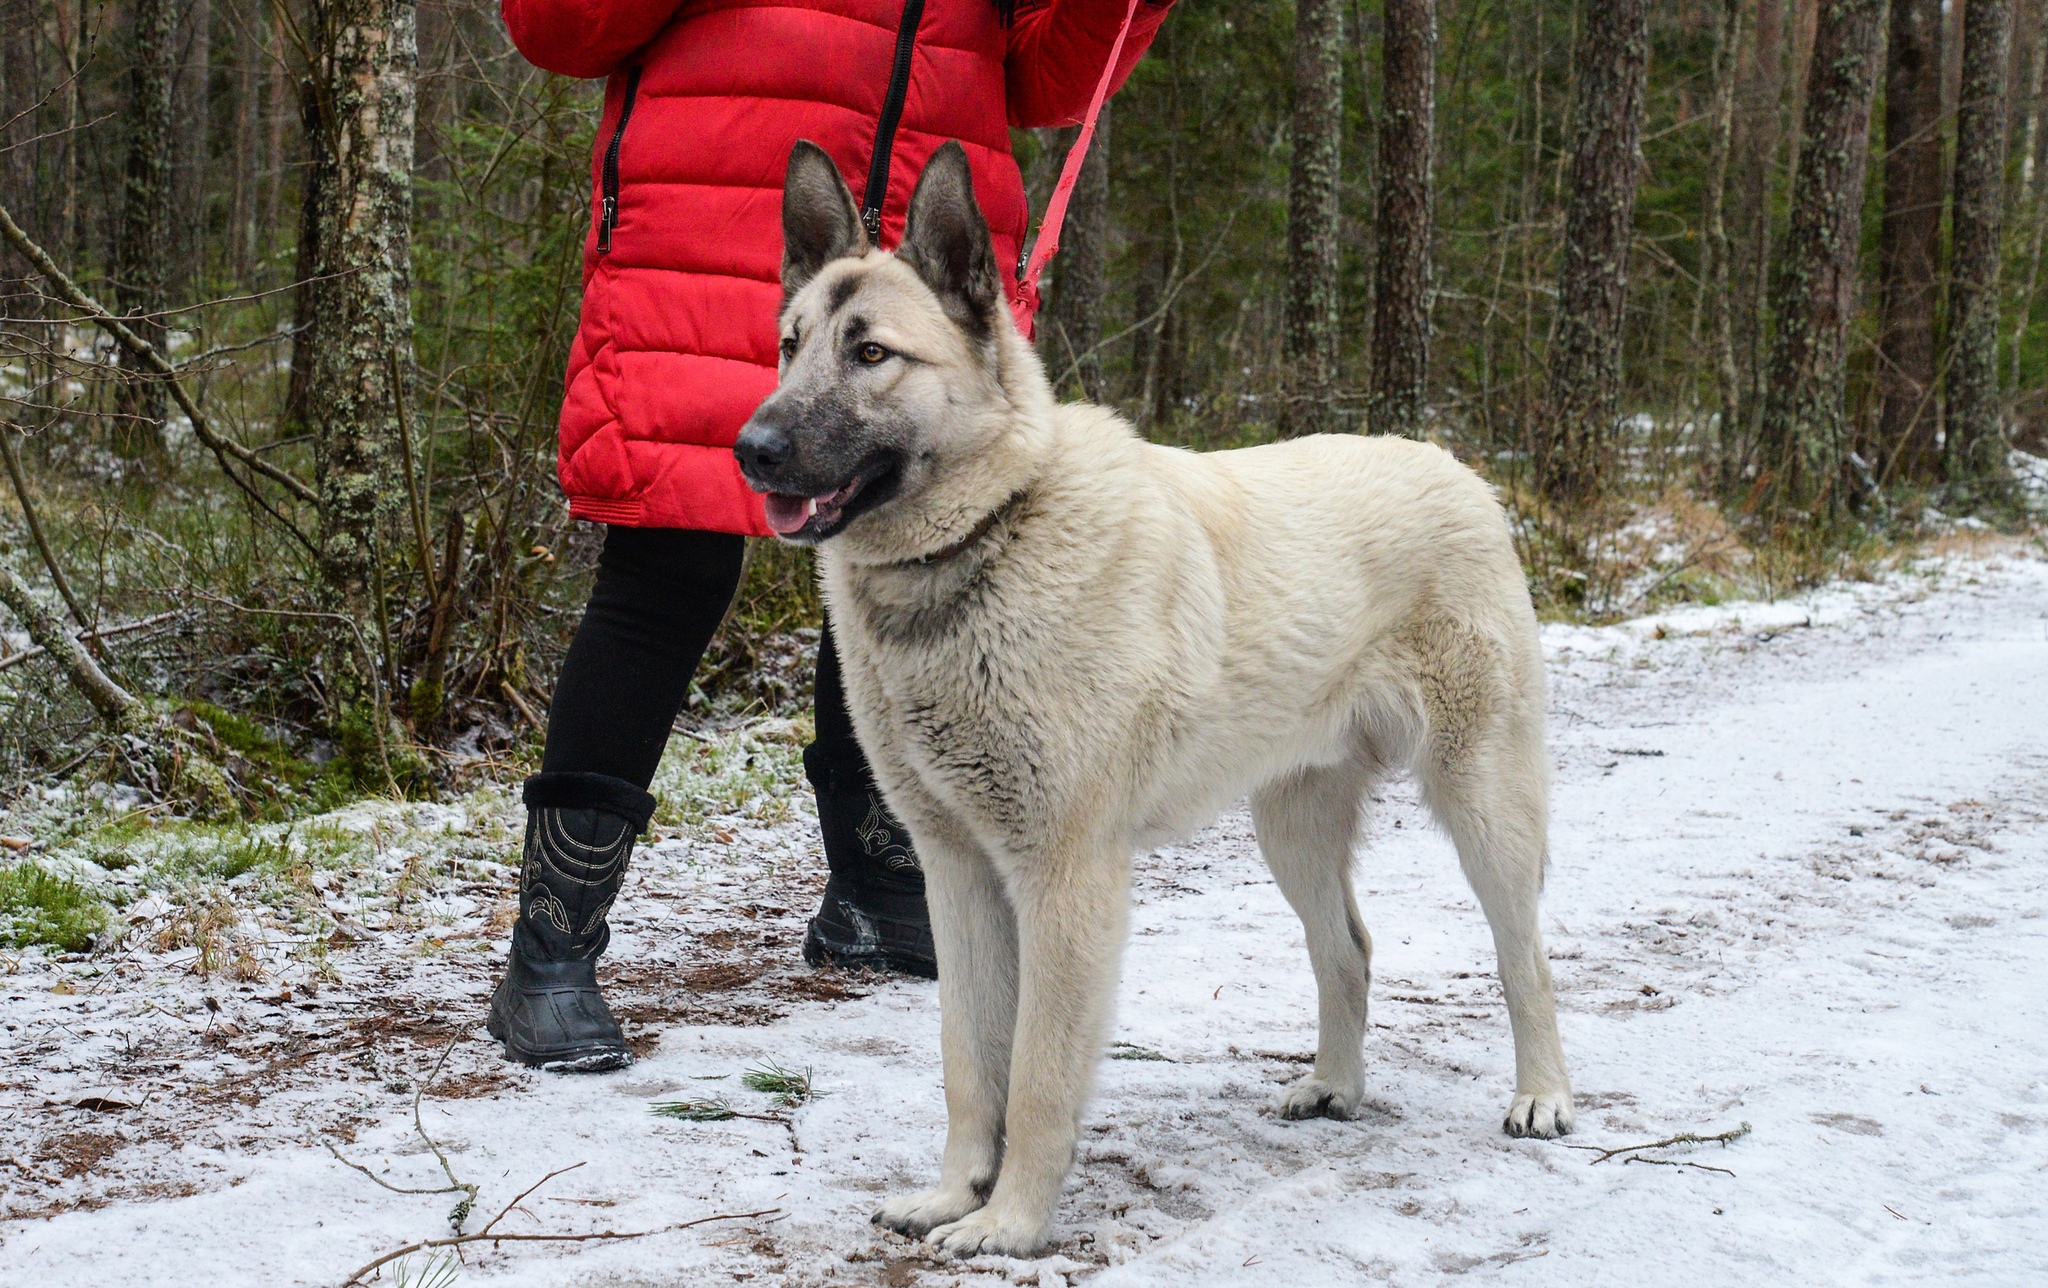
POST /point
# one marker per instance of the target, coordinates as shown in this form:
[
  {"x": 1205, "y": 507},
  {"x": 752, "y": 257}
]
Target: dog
[{"x": 1062, "y": 644}]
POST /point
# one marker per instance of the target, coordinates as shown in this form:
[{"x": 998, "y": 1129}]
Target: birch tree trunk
[
  {"x": 1072, "y": 321},
  {"x": 142, "y": 238},
  {"x": 1316, "y": 129},
  {"x": 364, "y": 95},
  {"x": 1803, "y": 445},
  {"x": 1909, "y": 246},
  {"x": 1406, "y": 220},
  {"x": 1974, "y": 442},
  {"x": 1611, "y": 64}
]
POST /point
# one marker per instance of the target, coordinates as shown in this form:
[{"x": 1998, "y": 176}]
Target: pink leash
[{"x": 1024, "y": 299}]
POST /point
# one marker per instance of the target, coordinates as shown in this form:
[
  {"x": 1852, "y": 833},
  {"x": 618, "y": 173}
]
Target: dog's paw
[
  {"x": 990, "y": 1232},
  {"x": 1543, "y": 1116},
  {"x": 916, "y": 1214},
  {"x": 1314, "y": 1098}
]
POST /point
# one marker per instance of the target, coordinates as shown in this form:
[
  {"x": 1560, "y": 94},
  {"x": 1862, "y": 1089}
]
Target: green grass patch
[{"x": 39, "y": 907}]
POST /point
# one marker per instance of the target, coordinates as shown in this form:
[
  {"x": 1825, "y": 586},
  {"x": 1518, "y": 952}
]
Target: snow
[{"x": 1799, "y": 881}]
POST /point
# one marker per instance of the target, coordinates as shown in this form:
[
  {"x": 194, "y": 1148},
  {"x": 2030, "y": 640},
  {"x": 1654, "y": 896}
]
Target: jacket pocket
[{"x": 608, "y": 196}]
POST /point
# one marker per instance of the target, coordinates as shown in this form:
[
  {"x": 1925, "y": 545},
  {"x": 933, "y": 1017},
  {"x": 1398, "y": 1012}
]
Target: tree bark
[
  {"x": 2028, "y": 209},
  {"x": 1575, "y": 450},
  {"x": 1717, "y": 283},
  {"x": 1909, "y": 246},
  {"x": 1072, "y": 320},
  {"x": 1402, "y": 292},
  {"x": 364, "y": 97},
  {"x": 1803, "y": 445},
  {"x": 142, "y": 240},
  {"x": 192, "y": 105},
  {"x": 1313, "y": 260},
  {"x": 18, "y": 40},
  {"x": 1974, "y": 441},
  {"x": 316, "y": 184}
]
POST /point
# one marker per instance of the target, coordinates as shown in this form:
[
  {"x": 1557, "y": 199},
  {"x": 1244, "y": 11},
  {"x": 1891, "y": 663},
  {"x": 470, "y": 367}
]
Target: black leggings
[{"x": 659, "y": 597}]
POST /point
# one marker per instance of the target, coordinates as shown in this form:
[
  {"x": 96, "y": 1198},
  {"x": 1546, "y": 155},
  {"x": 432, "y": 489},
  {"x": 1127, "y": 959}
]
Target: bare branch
[{"x": 223, "y": 448}]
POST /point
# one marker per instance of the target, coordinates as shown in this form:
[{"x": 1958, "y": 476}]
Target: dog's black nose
[{"x": 762, "y": 449}]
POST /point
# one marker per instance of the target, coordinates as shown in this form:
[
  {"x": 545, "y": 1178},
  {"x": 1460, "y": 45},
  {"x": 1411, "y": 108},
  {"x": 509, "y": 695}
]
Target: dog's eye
[
  {"x": 788, "y": 347},
  {"x": 871, "y": 353}
]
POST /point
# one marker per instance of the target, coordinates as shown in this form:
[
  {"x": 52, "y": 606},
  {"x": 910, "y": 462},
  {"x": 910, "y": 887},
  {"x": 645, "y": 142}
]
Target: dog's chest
[{"x": 959, "y": 700}]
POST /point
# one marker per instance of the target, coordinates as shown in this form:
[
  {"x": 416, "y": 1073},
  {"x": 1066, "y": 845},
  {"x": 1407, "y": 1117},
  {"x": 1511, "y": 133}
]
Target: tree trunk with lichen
[
  {"x": 1313, "y": 254},
  {"x": 142, "y": 242},
  {"x": 1803, "y": 445},
  {"x": 1574, "y": 451},
  {"x": 363, "y": 99},
  {"x": 1070, "y": 327},
  {"x": 1909, "y": 243},
  {"x": 1975, "y": 443},
  {"x": 1405, "y": 224}
]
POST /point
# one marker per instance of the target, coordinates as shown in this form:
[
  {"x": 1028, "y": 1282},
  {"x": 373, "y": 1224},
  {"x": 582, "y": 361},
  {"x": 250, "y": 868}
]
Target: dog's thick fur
[{"x": 1062, "y": 643}]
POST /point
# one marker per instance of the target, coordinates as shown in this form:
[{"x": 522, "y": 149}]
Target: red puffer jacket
[{"x": 681, "y": 269}]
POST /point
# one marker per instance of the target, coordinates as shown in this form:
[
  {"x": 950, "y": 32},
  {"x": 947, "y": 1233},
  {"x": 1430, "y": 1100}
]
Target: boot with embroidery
[
  {"x": 873, "y": 915},
  {"x": 547, "y": 1010}
]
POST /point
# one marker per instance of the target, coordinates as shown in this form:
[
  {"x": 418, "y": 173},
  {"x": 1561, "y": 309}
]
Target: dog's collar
[{"x": 973, "y": 537}]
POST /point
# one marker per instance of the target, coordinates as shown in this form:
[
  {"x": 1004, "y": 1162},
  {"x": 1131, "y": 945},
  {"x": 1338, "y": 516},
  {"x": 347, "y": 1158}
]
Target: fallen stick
[
  {"x": 1723, "y": 1139},
  {"x": 13, "y": 660},
  {"x": 454, "y": 1185},
  {"x": 484, "y": 1236},
  {"x": 1673, "y": 1162}
]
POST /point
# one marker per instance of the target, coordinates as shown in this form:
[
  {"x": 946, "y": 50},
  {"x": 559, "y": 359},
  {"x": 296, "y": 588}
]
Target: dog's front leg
[
  {"x": 1071, "y": 908},
  {"x": 976, "y": 937}
]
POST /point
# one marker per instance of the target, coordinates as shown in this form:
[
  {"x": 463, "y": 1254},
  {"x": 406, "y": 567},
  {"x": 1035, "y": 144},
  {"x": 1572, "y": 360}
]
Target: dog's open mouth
[{"x": 813, "y": 518}]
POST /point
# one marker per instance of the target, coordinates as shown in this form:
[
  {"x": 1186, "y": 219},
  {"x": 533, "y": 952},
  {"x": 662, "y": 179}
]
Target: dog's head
[{"x": 890, "y": 362}]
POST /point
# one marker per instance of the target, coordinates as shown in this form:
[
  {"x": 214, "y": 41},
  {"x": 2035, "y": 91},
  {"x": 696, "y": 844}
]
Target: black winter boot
[
  {"x": 547, "y": 1010},
  {"x": 873, "y": 915}
]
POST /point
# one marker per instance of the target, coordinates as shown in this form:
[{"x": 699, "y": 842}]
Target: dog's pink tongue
[{"x": 787, "y": 513}]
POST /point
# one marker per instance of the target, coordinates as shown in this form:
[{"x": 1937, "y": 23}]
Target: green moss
[{"x": 38, "y": 907}]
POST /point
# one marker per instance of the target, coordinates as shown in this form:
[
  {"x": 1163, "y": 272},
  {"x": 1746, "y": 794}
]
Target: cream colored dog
[{"x": 1063, "y": 644}]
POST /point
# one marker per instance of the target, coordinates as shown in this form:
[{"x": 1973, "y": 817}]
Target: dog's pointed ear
[
  {"x": 946, "y": 242},
  {"x": 820, "y": 222}
]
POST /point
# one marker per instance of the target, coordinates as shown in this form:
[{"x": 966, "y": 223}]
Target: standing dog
[{"x": 1062, "y": 643}]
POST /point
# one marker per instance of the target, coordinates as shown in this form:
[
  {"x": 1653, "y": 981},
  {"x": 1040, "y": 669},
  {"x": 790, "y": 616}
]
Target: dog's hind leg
[
  {"x": 1491, "y": 799},
  {"x": 975, "y": 932},
  {"x": 1307, "y": 825}
]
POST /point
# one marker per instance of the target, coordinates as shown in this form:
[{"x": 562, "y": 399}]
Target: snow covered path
[{"x": 1800, "y": 881}]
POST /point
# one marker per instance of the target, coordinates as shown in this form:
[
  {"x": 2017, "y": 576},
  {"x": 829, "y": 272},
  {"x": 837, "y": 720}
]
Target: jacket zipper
[
  {"x": 892, "y": 112},
  {"x": 608, "y": 210}
]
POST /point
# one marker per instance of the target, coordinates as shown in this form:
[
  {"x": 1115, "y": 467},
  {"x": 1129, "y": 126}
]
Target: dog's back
[{"x": 1278, "y": 601}]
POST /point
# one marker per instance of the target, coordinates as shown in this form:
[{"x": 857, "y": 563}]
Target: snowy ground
[{"x": 1800, "y": 882}]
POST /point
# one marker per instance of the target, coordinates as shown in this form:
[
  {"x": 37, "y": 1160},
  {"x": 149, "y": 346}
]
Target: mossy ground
[{"x": 40, "y": 908}]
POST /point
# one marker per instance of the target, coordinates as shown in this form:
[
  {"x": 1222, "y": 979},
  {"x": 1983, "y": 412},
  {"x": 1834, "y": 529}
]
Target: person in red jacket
[{"x": 677, "y": 345}]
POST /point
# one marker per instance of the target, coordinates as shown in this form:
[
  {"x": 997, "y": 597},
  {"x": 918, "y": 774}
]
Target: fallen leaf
[
  {"x": 63, "y": 987},
  {"x": 16, "y": 842},
  {"x": 101, "y": 1104}
]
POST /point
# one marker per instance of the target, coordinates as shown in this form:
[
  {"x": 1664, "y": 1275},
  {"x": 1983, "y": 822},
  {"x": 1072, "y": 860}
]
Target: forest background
[{"x": 1725, "y": 296}]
